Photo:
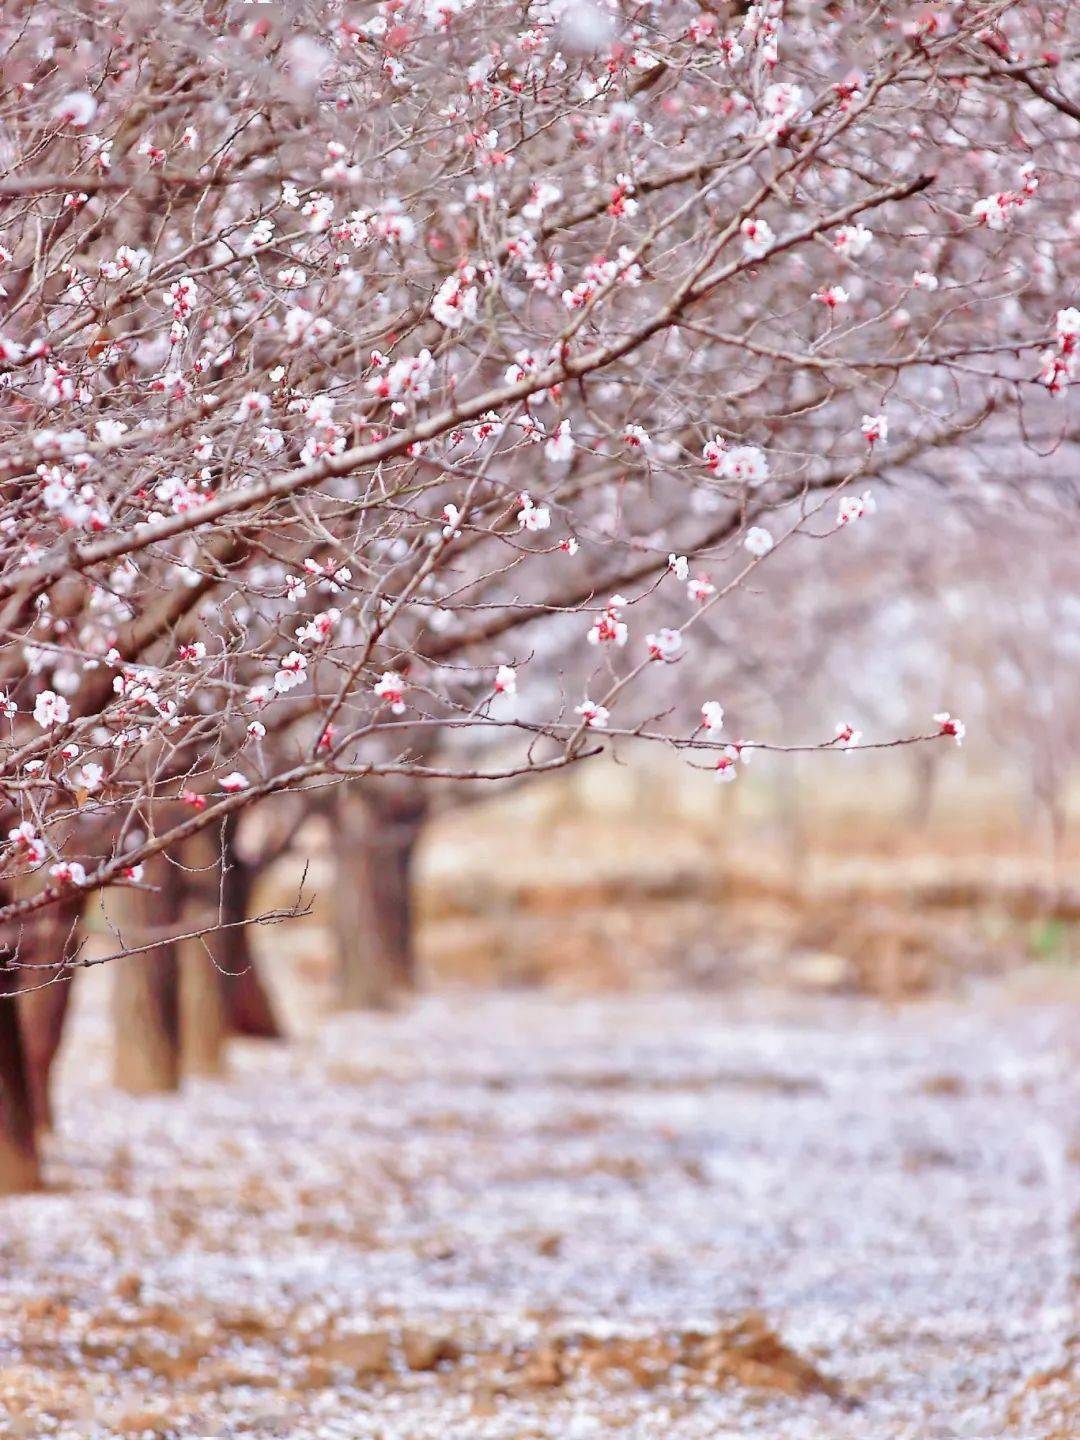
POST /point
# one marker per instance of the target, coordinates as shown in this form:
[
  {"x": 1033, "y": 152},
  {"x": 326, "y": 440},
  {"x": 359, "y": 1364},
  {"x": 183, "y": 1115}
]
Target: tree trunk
[
  {"x": 146, "y": 1012},
  {"x": 248, "y": 1006},
  {"x": 924, "y": 785},
  {"x": 793, "y": 821},
  {"x": 203, "y": 1023},
  {"x": 249, "y": 1010},
  {"x": 43, "y": 1007},
  {"x": 374, "y": 843},
  {"x": 19, "y": 1167}
]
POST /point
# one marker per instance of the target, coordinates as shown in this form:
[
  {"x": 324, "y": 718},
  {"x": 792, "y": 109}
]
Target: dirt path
[{"x": 513, "y": 1217}]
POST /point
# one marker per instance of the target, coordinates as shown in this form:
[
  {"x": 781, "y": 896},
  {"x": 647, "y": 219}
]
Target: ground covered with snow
[{"x": 520, "y": 1217}]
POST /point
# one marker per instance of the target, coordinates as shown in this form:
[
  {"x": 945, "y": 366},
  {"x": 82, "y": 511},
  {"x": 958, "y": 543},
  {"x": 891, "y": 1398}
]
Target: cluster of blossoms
[
  {"x": 291, "y": 672},
  {"x": 601, "y": 275},
  {"x": 1059, "y": 364},
  {"x": 610, "y": 628},
  {"x": 532, "y": 516},
  {"x": 781, "y": 103},
  {"x": 254, "y": 365},
  {"x": 854, "y": 507},
  {"x": 407, "y": 378},
  {"x": 457, "y": 299},
  {"x": 51, "y": 710},
  {"x": 851, "y": 241},
  {"x": 995, "y": 211},
  {"x": 741, "y": 464}
]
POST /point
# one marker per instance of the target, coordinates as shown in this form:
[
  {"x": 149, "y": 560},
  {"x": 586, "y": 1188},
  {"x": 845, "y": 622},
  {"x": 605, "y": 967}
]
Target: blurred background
[{"x": 891, "y": 872}]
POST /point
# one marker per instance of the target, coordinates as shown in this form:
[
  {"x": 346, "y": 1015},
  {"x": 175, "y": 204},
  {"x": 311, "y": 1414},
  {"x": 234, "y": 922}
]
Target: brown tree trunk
[
  {"x": 43, "y": 1007},
  {"x": 42, "y": 1014},
  {"x": 375, "y": 839},
  {"x": 19, "y": 1166},
  {"x": 146, "y": 1012},
  {"x": 248, "y": 1006},
  {"x": 203, "y": 1022}
]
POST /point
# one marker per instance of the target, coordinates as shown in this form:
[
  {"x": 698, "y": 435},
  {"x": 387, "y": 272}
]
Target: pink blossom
[
  {"x": 252, "y": 406},
  {"x": 90, "y": 777},
  {"x": 712, "y": 716},
  {"x": 456, "y": 299},
  {"x": 781, "y": 103},
  {"x": 292, "y": 671},
  {"x": 852, "y": 241},
  {"x": 182, "y": 295},
  {"x": 50, "y": 709},
  {"x": 68, "y": 872},
  {"x": 855, "y": 507},
  {"x": 76, "y": 109},
  {"x": 609, "y": 628},
  {"x": 452, "y": 516},
  {"x": 560, "y": 447},
  {"x": 950, "y": 725},
  {"x": 532, "y": 517},
  {"x": 831, "y": 296},
  {"x": 743, "y": 464},
  {"x": 727, "y": 765},
  {"x": 757, "y": 237},
  {"x": 664, "y": 645},
  {"x": 594, "y": 716},
  {"x": 27, "y": 841},
  {"x": 391, "y": 688}
]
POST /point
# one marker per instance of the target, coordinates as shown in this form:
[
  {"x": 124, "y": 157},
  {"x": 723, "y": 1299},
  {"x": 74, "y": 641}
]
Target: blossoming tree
[{"x": 361, "y": 362}]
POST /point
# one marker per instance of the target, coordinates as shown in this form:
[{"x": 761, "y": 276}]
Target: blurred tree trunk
[
  {"x": 19, "y": 1166},
  {"x": 793, "y": 821},
  {"x": 924, "y": 763},
  {"x": 375, "y": 837},
  {"x": 43, "y": 1007},
  {"x": 248, "y": 1006},
  {"x": 146, "y": 1011},
  {"x": 203, "y": 1020}
]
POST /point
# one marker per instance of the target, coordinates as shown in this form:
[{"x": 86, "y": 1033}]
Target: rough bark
[
  {"x": 375, "y": 838},
  {"x": 43, "y": 1007},
  {"x": 19, "y": 1166},
  {"x": 146, "y": 1013},
  {"x": 249, "y": 1009},
  {"x": 203, "y": 1022}
]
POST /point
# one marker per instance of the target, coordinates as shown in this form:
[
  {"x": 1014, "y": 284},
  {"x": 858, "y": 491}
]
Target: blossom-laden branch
[{"x": 354, "y": 368}]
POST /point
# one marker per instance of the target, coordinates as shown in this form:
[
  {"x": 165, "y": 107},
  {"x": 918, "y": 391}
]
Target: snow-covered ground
[{"x": 518, "y": 1216}]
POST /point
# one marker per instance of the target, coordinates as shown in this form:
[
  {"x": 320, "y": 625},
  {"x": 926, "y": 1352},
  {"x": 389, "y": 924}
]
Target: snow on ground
[{"x": 507, "y": 1217}]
